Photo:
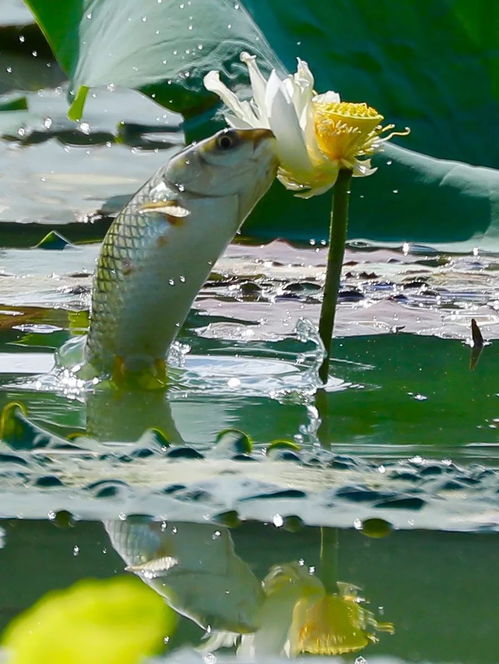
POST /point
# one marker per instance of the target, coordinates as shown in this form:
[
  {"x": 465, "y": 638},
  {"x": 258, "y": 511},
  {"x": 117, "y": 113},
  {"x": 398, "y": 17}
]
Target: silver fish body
[{"x": 160, "y": 249}]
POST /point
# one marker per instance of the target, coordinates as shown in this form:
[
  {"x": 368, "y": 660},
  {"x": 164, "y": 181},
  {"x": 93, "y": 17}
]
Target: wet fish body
[{"x": 161, "y": 247}]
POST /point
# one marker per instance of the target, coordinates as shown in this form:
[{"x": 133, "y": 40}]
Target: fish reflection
[
  {"x": 195, "y": 568},
  {"x": 291, "y": 611}
]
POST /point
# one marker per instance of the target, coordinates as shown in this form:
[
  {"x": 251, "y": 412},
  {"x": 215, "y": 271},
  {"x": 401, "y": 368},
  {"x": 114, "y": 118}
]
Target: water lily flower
[
  {"x": 317, "y": 135},
  {"x": 298, "y": 616}
]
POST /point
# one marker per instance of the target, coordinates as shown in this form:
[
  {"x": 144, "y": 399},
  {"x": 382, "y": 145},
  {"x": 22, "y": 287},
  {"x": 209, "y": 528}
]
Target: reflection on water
[
  {"x": 261, "y": 589},
  {"x": 289, "y": 611}
]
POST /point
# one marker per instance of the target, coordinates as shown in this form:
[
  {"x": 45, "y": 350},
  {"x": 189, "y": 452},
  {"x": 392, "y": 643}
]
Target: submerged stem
[
  {"x": 328, "y": 570},
  {"x": 337, "y": 239}
]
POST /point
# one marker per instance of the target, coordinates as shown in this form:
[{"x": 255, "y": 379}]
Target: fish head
[{"x": 233, "y": 162}]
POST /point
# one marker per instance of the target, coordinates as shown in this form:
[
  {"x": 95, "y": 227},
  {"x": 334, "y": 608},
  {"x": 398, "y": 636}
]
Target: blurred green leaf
[
  {"x": 161, "y": 48},
  {"x": 115, "y": 621}
]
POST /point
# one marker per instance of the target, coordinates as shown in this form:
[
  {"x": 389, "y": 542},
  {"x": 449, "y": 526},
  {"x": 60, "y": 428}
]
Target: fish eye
[{"x": 226, "y": 140}]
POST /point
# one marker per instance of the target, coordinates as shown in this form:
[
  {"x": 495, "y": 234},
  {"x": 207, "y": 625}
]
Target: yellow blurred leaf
[{"x": 112, "y": 621}]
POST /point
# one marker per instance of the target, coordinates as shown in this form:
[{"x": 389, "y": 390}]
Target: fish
[
  {"x": 194, "y": 567},
  {"x": 162, "y": 246}
]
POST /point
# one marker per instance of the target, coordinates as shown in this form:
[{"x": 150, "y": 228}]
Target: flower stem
[
  {"x": 337, "y": 239},
  {"x": 328, "y": 569}
]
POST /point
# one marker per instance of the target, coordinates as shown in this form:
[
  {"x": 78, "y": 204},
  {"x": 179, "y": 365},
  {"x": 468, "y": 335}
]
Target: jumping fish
[{"x": 161, "y": 248}]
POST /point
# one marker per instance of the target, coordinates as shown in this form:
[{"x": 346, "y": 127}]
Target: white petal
[
  {"x": 236, "y": 123},
  {"x": 242, "y": 110},
  {"x": 316, "y": 191},
  {"x": 303, "y": 89},
  {"x": 289, "y": 183},
  {"x": 291, "y": 148},
  {"x": 258, "y": 83},
  {"x": 328, "y": 97},
  {"x": 304, "y": 74},
  {"x": 363, "y": 168}
]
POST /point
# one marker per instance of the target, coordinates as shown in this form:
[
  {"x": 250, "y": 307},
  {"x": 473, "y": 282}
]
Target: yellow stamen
[
  {"x": 346, "y": 130},
  {"x": 333, "y": 625}
]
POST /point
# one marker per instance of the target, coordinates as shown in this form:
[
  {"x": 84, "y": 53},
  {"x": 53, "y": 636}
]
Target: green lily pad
[
  {"x": 388, "y": 58},
  {"x": 163, "y": 49}
]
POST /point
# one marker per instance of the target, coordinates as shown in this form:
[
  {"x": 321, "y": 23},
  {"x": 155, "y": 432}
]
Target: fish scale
[
  {"x": 128, "y": 239},
  {"x": 160, "y": 249}
]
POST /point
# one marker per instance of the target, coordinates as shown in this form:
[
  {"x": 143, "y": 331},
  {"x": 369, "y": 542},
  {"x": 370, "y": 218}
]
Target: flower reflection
[
  {"x": 299, "y": 616},
  {"x": 292, "y": 611}
]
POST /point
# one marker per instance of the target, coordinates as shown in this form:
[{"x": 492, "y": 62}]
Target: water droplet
[
  {"x": 8, "y": 70},
  {"x": 89, "y": 16},
  {"x": 76, "y": 550},
  {"x": 182, "y": 279},
  {"x": 277, "y": 520},
  {"x": 200, "y": 47},
  {"x": 47, "y": 123},
  {"x": 189, "y": 27},
  {"x": 216, "y": 535},
  {"x": 175, "y": 52},
  {"x": 34, "y": 54},
  {"x": 389, "y": 162},
  {"x": 181, "y": 6},
  {"x": 180, "y": 186},
  {"x": 22, "y": 38},
  {"x": 298, "y": 43},
  {"x": 85, "y": 128},
  {"x": 229, "y": 26},
  {"x": 395, "y": 191},
  {"x": 171, "y": 282},
  {"x": 144, "y": 19}
]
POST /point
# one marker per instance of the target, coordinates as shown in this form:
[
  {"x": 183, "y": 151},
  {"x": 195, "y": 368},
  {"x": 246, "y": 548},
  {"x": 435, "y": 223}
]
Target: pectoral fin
[{"x": 170, "y": 208}]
